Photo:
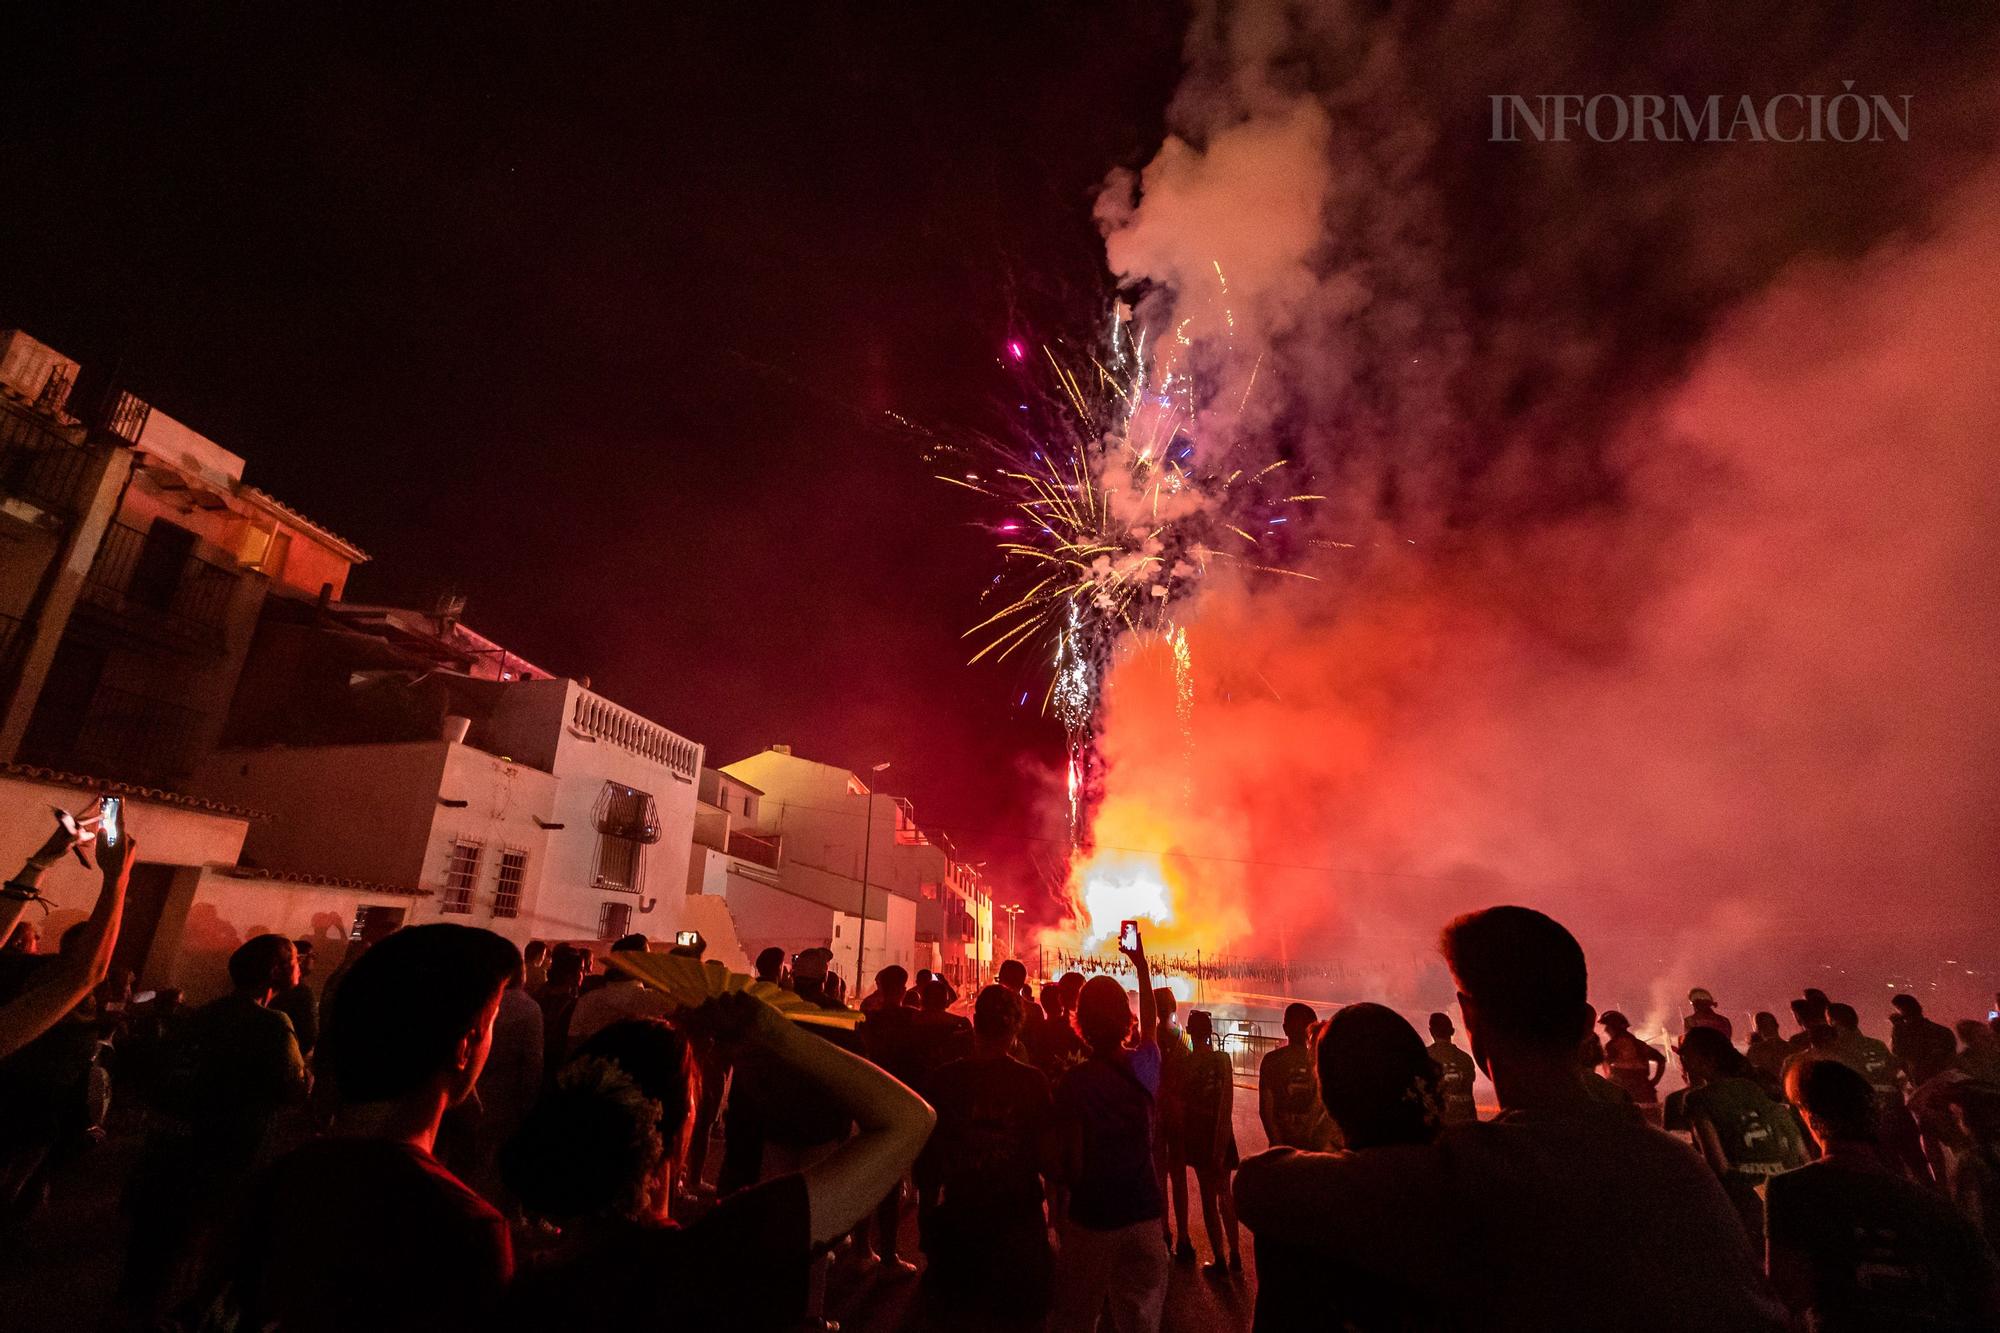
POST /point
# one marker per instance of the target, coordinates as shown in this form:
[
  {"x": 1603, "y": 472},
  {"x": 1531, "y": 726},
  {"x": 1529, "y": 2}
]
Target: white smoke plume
[{"x": 1669, "y": 470}]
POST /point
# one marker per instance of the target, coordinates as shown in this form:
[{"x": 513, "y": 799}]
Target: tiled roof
[
  {"x": 274, "y": 502},
  {"x": 155, "y": 795},
  {"x": 323, "y": 881}
]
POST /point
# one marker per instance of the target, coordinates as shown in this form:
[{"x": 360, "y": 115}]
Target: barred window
[
  {"x": 620, "y": 864},
  {"x": 627, "y": 823},
  {"x": 614, "y": 921},
  {"x": 507, "y": 893},
  {"x": 460, "y": 874}
]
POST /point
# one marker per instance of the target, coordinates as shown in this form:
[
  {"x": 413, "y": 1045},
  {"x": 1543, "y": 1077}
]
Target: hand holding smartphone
[
  {"x": 111, "y": 815},
  {"x": 1128, "y": 937}
]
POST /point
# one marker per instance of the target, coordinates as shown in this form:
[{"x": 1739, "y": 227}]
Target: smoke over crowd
[{"x": 1655, "y": 578}]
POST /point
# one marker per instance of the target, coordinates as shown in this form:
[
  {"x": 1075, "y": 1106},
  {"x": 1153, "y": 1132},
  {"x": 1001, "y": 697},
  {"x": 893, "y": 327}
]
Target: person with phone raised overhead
[
  {"x": 61, "y": 985},
  {"x": 1106, "y": 1118}
]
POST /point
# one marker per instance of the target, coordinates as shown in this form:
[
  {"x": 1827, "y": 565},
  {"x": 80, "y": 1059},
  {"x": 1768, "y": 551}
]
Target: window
[
  {"x": 163, "y": 557},
  {"x": 619, "y": 863},
  {"x": 507, "y": 893},
  {"x": 627, "y": 822},
  {"x": 461, "y": 872},
  {"x": 614, "y": 921},
  {"x": 372, "y": 925}
]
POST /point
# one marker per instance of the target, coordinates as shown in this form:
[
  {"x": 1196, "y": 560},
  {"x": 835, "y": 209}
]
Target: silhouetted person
[
  {"x": 1208, "y": 1102},
  {"x": 1455, "y": 1074},
  {"x": 1288, "y": 1088},
  {"x": 558, "y": 998},
  {"x": 1705, "y": 1015},
  {"x": 1874, "y": 1061},
  {"x": 299, "y": 1002},
  {"x": 770, "y": 966},
  {"x": 1767, "y": 1052},
  {"x": 1590, "y": 1059},
  {"x": 1170, "y": 1143},
  {"x": 506, "y": 1089},
  {"x": 985, "y": 1231},
  {"x": 937, "y": 1035},
  {"x": 1105, "y": 1122},
  {"x": 1745, "y": 1136},
  {"x": 1854, "y": 1245},
  {"x": 600, "y": 1154},
  {"x": 1057, "y": 1049},
  {"x": 233, "y": 1066},
  {"x": 366, "y": 1230},
  {"x": 535, "y": 966},
  {"x": 1512, "y": 1223},
  {"x": 893, "y": 1036},
  {"x": 1978, "y": 1050},
  {"x": 1633, "y": 1065},
  {"x": 1380, "y": 1087},
  {"x": 1975, "y": 1181},
  {"x": 1013, "y": 974},
  {"x": 622, "y": 996},
  {"x": 891, "y": 984},
  {"x": 1804, "y": 1017}
]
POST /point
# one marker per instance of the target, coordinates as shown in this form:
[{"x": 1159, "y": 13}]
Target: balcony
[
  {"x": 134, "y": 738},
  {"x": 156, "y": 583},
  {"x": 750, "y": 847},
  {"x": 43, "y": 465}
]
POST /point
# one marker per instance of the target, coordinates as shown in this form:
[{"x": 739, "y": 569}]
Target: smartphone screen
[
  {"x": 1128, "y": 934},
  {"x": 687, "y": 937},
  {"x": 113, "y": 812}
]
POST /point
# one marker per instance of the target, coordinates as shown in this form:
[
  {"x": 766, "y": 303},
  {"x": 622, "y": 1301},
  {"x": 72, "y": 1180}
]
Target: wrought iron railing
[
  {"x": 134, "y": 738},
  {"x": 184, "y": 597},
  {"x": 42, "y": 465}
]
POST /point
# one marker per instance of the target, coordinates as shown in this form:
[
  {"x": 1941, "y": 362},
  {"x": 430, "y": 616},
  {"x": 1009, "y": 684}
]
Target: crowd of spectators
[{"x": 453, "y": 1133}]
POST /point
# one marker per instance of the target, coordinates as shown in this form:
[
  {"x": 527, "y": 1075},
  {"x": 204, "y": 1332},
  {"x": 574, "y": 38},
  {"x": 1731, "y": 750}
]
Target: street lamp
[
  {"x": 867, "y": 847},
  {"x": 1013, "y": 911}
]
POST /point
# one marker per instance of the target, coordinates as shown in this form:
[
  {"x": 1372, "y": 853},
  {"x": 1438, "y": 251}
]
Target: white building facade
[
  {"x": 557, "y": 816},
  {"x": 850, "y": 853}
]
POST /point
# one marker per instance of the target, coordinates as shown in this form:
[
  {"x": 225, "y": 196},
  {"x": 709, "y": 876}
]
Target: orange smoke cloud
[{"x": 1737, "y": 727}]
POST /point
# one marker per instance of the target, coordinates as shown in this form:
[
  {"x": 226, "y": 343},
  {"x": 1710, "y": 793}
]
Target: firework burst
[{"x": 1116, "y": 502}]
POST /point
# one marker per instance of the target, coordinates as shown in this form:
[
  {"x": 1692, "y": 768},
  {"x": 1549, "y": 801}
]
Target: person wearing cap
[
  {"x": 1632, "y": 1064},
  {"x": 1455, "y": 1073},
  {"x": 1705, "y": 1016}
]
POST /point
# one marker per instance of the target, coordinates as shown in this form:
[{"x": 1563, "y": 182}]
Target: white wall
[
  {"x": 584, "y": 759},
  {"x": 169, "y": 835},
  {"x": 503, "y": 802},
  {"x": 227, "y": 910},
  {"x": 358, "y": 811}
]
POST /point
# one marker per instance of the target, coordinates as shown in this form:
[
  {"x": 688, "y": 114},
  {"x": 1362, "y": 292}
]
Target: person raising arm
[
  {"x": 25, "y": 886},
  {"x": 74, "y": 974},
  {"x": 893, "y": 1122}
]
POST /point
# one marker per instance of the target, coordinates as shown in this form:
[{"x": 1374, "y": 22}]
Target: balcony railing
[
  {"x": 183, "y": 597},
  {"x": 42, "y": 465},
  {"x": 134, "y": 738},
  {"x": 750, "y": 847}
]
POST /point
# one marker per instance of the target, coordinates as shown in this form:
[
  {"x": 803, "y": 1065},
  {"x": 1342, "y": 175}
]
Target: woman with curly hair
[{"x": 598, "y": 1156}]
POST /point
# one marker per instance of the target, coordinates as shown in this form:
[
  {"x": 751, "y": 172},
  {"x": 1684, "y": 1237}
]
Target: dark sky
[{"x": 594, "y": 313}]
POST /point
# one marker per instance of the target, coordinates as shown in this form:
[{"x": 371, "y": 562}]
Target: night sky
[{"x": 596, "y": 314}]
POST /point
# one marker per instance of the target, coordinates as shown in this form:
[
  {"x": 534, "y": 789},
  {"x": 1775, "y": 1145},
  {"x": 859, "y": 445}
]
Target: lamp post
[
  {"x": 867, "y": 847},
  {"x": 1013, "y": 911}
]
